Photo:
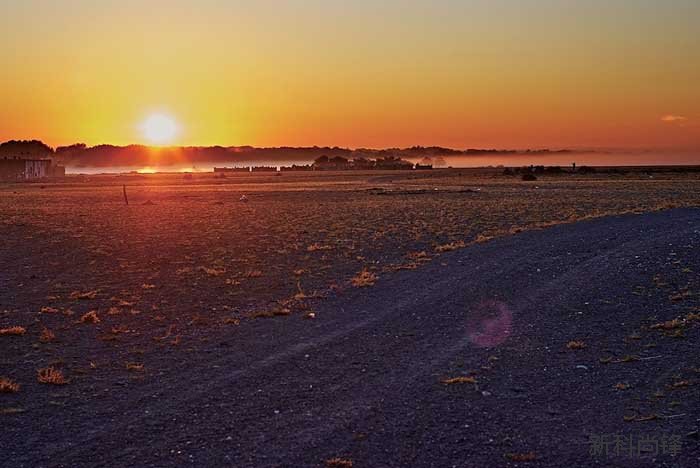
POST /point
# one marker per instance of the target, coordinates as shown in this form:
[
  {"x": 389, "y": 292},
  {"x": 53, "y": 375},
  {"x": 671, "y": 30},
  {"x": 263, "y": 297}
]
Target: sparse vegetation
[
  {"x": 338, "y": 463},
  {"x": 90, "y": 317},
  {"x": 77, "y": 295},
  {"x": 363, "y": 279},
  {"x": 13, "y": 331},
  {"x": 347, "y": 239},
  {"x": 315, "y": 247},
  {"x": 47, "y": 336},
  {"x": 8, "y": 386},
  {"x": 51, "y": 376},
  {"x": 213, "y": 271},
  {"x": 637, "y": 418},
  {"x": 450, "y": 246},
  {"x": 669, "y": 325},
  {"x": 134, "y": 367},
  {"x": 459, "y": 380}
]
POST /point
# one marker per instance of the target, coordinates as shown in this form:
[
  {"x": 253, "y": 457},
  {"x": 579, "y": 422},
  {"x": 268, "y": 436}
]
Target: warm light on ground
[
  {"x": 159, "y": 129},
  {"x": 146, "y": 170}
]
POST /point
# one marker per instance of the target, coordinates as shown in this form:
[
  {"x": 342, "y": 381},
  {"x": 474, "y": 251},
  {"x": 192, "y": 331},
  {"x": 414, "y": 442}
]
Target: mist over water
[
  {"x": 600, "y": 158},
  {"x": 581, "y": 159}
]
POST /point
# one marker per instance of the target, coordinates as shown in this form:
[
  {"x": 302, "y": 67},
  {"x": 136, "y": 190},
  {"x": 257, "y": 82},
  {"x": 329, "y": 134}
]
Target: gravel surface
[{"x": 366, "y": 379}]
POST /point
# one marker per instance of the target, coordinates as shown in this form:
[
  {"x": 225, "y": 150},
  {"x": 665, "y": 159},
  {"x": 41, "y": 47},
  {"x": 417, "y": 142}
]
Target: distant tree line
[{"x": 80, "y": 154}]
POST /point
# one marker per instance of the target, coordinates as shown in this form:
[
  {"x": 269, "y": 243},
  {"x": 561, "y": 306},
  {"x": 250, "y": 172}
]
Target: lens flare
[{"x": 489, "y": 324}]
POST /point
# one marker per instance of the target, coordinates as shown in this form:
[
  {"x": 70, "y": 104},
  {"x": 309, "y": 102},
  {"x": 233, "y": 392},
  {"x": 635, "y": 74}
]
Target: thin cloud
[{"x": 673, "y": 118}]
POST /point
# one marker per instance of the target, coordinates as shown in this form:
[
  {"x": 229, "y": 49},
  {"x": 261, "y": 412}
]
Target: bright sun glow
[{"x": 159, "y": 129}]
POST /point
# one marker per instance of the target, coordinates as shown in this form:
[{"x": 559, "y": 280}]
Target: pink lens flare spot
[{"x": 489, "y": 324}]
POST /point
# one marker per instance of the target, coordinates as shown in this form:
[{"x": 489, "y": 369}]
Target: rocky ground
[{"x": 327, "y": 321}]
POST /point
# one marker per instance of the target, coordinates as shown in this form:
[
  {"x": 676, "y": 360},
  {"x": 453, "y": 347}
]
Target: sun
[{"x": 159, "y": 129}]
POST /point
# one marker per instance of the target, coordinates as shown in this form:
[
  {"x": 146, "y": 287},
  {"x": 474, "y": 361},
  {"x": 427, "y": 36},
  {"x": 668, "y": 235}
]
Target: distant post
[{"x": 126, "y": 200}]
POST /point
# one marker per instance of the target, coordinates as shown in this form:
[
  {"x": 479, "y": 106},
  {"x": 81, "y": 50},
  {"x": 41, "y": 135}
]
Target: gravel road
[{"x": 364, "y": 380}]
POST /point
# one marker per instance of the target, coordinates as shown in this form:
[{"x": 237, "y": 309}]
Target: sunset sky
[{"x": 471, "y": 73}]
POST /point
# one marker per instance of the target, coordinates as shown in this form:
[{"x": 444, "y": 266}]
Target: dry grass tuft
[
  {"x": 13, "y": 331},
  {"x": 90, "y": 317},
  {"x": 363, "y": 279},
  {"x": 680, "y": 296},
  {"x": 481, "y": 238},
  {"x": 52, "y": 376},
  {"x": 315, "y": 247},
  {"x": 610, "y": 360},
  {"x": 8, "y": 386},
  {"x": 450, "y": 246},
  {"x": 669, "y": 325},
  {"x": 119, "y": 329},
  {"x": 213, "y": 271},
  {"x": 49, "y": 310},
  {"x": 459, "y": 380},
  {"x": 628, "y": 358},
  {"x": 300, "y": 295},
  {"x": 261, "y": 314},
  {"x": 338, "y": 463},
  {"x": 421, "y": 256},
  {"x": 576, "y": 344},
  {"x": 134, "y": 367},
  {"x": 47, "y": 336},
  {"x": 77, "y": 295},
  {"x": 281, "y": 311},
  {"x": 651, "y": 417}
]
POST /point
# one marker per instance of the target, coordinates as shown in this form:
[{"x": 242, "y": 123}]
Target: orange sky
[{"x": 479, "y": 73}]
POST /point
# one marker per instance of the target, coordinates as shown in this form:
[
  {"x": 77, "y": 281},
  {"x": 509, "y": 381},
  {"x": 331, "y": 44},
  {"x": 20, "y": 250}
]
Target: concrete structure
[
  {"x": 232, "y": 169},
  {"x": 17, "y": 169}
]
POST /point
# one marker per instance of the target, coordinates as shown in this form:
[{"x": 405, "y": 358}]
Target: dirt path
[{"x": 363, "y": 381}]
